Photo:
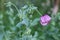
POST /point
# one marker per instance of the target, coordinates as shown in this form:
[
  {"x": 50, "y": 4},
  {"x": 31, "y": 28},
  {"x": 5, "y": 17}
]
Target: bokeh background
[{"x": 20, "y": 20}]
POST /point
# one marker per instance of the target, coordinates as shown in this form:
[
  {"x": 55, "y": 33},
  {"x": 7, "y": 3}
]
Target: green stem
[
  {"x": 18, "y": 10},
  {"x": 15, "y": 7},
  {"x": 38, "y": 12}
]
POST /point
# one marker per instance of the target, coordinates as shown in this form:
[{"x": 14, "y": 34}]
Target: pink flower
[{"x": 44, "y": 20}]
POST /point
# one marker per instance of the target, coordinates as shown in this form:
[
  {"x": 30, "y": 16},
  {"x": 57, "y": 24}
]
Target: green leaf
[
  {"x": 35, "y": 22},
  {"x": 1, "y": 36}
]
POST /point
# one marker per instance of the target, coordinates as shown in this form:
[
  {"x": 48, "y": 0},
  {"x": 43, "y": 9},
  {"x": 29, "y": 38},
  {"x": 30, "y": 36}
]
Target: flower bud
[{"x": 44, "y": 20}]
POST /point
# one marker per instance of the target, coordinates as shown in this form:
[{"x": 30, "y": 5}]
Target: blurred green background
[{"x": 20, "y": 20}]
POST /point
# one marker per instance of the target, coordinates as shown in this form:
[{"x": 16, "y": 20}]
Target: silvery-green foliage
[
  {"x": 23, "y": 24},
  {"x": 20, "y": 30},
  {"x": 24, "y": 13},
  {"x": 29, "y": 37}
]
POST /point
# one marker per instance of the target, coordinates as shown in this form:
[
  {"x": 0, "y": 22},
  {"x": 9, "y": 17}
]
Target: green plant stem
[
  {"x": 18, "y": 10},
  {"x": 15, "y": 7},
  {"x": 38, "y": 12}
]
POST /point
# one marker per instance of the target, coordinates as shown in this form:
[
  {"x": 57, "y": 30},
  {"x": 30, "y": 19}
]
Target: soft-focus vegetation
[{"x": 23, "y": 22}]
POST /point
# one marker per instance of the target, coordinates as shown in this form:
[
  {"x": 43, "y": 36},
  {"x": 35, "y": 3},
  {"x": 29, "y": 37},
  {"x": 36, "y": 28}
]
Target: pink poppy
[{"x": 44, "y": 20}]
